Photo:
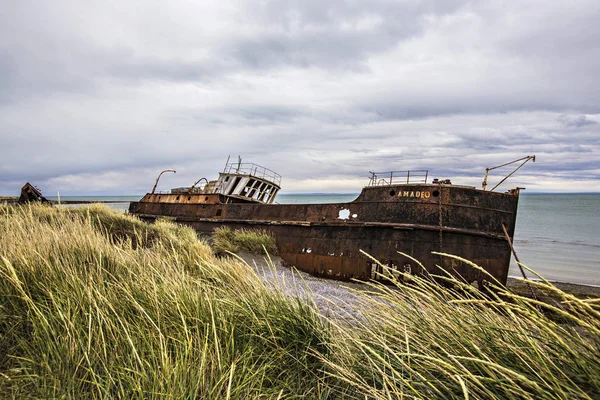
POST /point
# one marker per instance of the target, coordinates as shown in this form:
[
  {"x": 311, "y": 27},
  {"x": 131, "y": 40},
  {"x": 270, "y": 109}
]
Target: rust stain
[{"x": 415, "y": 219}]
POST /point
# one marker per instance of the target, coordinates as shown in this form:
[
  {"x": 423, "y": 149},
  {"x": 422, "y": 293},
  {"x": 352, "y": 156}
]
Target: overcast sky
[{"x": 97, "y": 97}]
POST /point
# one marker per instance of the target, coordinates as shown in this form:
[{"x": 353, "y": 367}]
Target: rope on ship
[{"x": 519, "y": 264}]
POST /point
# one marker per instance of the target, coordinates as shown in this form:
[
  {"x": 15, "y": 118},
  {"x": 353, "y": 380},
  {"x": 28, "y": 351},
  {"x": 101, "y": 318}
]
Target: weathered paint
[{"x": 413, "y": 219}]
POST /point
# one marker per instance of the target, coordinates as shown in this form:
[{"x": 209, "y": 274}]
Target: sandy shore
[
  {"x": 333, "y": 298},
  {"x": 337, "y": 298},
  {"x": 582, "y": 291}
]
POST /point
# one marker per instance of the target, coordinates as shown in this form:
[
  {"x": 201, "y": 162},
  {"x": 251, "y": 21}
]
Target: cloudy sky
[{"x": 97, "y": 97}]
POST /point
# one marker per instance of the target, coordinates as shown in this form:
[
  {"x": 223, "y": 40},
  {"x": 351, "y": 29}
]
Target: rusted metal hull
[{"x": 326, "y": 239}]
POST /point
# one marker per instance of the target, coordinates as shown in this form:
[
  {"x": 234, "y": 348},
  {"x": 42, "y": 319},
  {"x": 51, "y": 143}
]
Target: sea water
[{"x": 557, "y": 235}]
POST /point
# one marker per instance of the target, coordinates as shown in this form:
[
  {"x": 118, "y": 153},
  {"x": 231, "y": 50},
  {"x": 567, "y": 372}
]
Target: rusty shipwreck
[{"x": 398, "y": 211}]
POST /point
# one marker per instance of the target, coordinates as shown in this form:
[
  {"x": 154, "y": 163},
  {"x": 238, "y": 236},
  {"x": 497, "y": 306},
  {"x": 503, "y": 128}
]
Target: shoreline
[
  {"x": 556, "y": 283},
  {"x": 576, "y": 289}
]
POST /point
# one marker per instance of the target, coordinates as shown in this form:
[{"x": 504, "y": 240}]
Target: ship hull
[{"x": 331, "y": 239}]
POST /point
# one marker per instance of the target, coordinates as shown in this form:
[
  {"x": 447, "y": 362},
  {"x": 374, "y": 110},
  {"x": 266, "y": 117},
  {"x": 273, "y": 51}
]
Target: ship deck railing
[
  {"x": 254, "y": 170},
  {"x": 398, "y": 177}
]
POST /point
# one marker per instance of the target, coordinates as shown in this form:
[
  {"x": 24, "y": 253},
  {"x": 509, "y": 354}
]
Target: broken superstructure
[{"x": 238, "y": 183}]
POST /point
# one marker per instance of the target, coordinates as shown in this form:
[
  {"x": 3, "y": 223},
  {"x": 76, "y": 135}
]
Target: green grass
[
  {"x": 96, "y": 304},
  {"x": 225, "y": 240}
]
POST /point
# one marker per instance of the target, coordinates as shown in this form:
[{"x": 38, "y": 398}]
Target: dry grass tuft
[{"x": 255, "y": 241}]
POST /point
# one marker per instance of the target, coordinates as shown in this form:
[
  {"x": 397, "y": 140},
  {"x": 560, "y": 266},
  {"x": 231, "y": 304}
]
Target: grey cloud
[
  {"x": 398, "y": 18},
  {"x": 8, "y": 75},
  {"x": 72, "y": 62},
  {"x": 331, "y": 51},
  {"x": 254, "y": 114},
  {"x": 124, "y": 64},
  {"x": 51, "y": 163},
  {"x": 329, "y": 34},
  {"x": 266, "y": 113},
  {"x": 471, "y": 100},
  {"x": 575, "y": 121}
]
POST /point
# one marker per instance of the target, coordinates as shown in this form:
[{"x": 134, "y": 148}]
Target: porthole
[
  {"x": 206, "y": 198},
  {"x": 177, "y": 198},
  {"x": 219, "y": 212},
  {"x": 189, "y": 197},
  {"x": 436, "y": 193},
  {"x": 392, "y": 193}
]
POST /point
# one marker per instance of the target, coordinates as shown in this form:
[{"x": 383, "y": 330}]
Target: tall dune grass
[
  {"x": 96, "y": 304},
  {"x": 425, "y": 341}
]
